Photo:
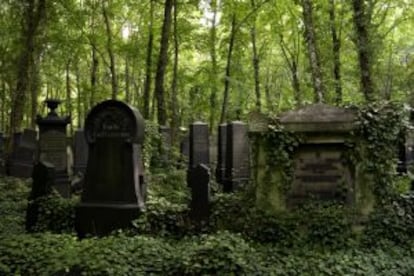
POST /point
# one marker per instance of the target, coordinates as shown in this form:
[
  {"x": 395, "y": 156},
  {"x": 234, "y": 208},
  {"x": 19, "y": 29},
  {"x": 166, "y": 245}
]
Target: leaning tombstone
[
  {"x": 221, "y": 153},
  {"x": 113, "y": 193},
  {"x": 53, "y": 145},
  {"x": 199, "y": 179},
  {"x": 237, "y": 166},
  {"x": 23, "y": 155},
  {"x": 199, "y": 146},
  {"x": 43, "y": 180}
]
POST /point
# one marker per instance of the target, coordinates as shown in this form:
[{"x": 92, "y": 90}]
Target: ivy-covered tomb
[{"x": 309, "y": 154}]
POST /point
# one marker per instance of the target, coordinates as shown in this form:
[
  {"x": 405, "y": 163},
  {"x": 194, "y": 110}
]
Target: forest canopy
[{"x": 210, "y": 60}]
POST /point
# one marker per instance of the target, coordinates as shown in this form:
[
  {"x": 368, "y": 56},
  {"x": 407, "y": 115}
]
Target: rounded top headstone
[{"x": 112, "y": 119}]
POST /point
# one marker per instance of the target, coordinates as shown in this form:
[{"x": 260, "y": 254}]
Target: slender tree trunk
[
  {"x": 336, "y": 51},
  {"x": 174, "y": 97},
  {"x": 214, "y": 67},
  {"x": 34, "y": 87},
  {"x": 292, "y": 62},
  {"x": 313, "y": 53},
  {"x": 224, "y": 107},
  {"x": 389, "y": 77},
  {"x": 148, "y": 64},
  {"x": 256, "y": 62},
  {"x": 162, "y": 64},
  {"x": 361, "y": 21},
  {"x": 3, "y": 105},
  {"x": 79, "y": 98},
  {"x": 112, "y": 64},
  {"x": 127, "y": 92},
  {"x": 34, "y": 13},
  {"x": 94, "y": 75},
  {"x": 69, "y": 94}
]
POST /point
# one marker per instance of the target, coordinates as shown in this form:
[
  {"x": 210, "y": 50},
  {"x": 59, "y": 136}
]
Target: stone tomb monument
[
  {"x": 24, "y": 153},
  {"x": 237, "y": 164},
  {"x": 53, "y": 145},
  {"x": 320, "y": 168},
  {"x": 113, "y": 193}
]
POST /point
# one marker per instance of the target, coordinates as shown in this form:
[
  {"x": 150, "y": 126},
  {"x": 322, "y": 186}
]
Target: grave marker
[
  {"x": 114, "y": 192},
  {"x": 24, "y": 153},
  {"x": 53, "y": 145},
  {"x": 221, "y": 153},
  {"x": 200, "y": 193}
]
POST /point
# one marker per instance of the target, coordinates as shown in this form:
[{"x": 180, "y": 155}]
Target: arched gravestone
[{"x": 113, "y": 193}]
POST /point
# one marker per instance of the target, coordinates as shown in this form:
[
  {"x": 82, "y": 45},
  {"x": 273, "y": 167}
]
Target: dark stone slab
[
  {"x": 200, "y": 193},
  {"x": 43, "y": 181},
  {"x": 24, "y": 153},
  {"x": 237, "y": 167},
  {"x": 113, "y": 194},
  {"x": 221, "y": 153},
  {"x": 199, "y": 145}
]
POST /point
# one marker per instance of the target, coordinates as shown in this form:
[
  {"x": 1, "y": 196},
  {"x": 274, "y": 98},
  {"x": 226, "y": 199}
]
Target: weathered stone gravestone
[
  {"x": 43, "y": 181},
  {"x": 53, "y": 145},
  {"x": 80, "y": 152},
  {"x": 320, "y": 169},
  {"x": 199, "y": 179},
  {"x": 221, "y": 153},
  {"x": 199, "y": 146},
  {"x": 237, "y": 164},
  {"x": 24, "y": 154},
  {"x": 113, "y": 194}
]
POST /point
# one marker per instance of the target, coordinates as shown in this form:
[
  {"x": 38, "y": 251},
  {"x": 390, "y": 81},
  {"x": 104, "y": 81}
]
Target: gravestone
[
  {"x": 43, "y": 181},
  {"x": 221, "y": 153},
  {"x": 113, "y": 193},
  {"x": 24, "y": 153},
  {"x": 199, "y": 147},
  {"x": 199, "y": 179},
  {"x": 80, "y": 152},
  {"x": 53, "y": 145},
  {"x": 237, "y": 164}
]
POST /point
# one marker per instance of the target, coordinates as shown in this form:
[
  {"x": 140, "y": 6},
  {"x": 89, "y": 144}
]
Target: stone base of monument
[{"x": 103, "y": 218}]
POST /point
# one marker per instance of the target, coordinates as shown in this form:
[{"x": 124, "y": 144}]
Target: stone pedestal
[{"x": 53, "y": 145}]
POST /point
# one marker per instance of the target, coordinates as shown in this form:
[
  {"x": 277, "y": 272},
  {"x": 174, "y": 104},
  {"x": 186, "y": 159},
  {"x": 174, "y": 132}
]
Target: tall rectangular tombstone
[
  {"x": 80, "y": 152},
  {"x": 221, "y": 153},
  {"x": 199, "y": 145},
  {"x": 24, "y": 153},
  {"x": 113, "y": 194}
]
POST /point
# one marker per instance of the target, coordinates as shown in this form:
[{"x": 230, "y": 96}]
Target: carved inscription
[
  {"x": 53, "y": 148},
  {"x": 111, "y": 123},
  {"x": 319, "y": 171}
]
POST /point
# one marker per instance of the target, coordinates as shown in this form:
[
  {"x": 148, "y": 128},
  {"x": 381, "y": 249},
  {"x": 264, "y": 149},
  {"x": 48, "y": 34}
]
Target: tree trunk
[
  {"x": 224, "y": 107},
  {"x": 336, "y": 51},
  {"x": 174, "y": 97},
  {"x": 292, "y": 62},
  {"x": 256, "y": 62},
  {"x": 94, "y": 75},
  {"x": 79, "y": 97},
  {"x": 34, "y": 87},
  {"x": 162, "y": 64},
  {"x": 127, "y": 92},
  {"x": 361, "y": 21},
  {"x": 313, "y": 53},
  {"x": 34, "y": 14},
  {"x": 148, "y": 65},
  {"x": 214, "y": 67},
  {"x": 112, "y": 66},
  {"x": 69, "y": 94}
]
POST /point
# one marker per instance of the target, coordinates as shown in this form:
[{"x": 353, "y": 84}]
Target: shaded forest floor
[{"x": 161, "y": 244}]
